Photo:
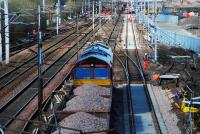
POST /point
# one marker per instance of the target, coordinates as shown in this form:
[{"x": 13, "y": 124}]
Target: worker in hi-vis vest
[{"x": 146, "y": 60}]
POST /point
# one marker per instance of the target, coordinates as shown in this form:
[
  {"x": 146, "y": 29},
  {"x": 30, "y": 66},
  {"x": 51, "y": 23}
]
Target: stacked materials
[
  {"x": 89, "y": 100},
  {"x": 91, "y": 89},
  {"x": 89, "y": 97},
  {"x": 84, "y": 122},
  {"x": 87, "y": 103}
]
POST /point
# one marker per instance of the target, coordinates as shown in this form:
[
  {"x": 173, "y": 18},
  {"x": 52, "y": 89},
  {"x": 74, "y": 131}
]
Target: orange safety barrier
[
  {"x": 156, "y": 77},
  {"x": 146, "y": 64}
]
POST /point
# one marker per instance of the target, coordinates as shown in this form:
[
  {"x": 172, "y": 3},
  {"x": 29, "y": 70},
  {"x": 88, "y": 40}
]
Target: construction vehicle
[{"x": 188, "y": 105}]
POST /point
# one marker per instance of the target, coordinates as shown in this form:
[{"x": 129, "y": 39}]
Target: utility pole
[
  {"x": 134, "y": 5},
  {"x": 190, "y": 116},
  {"x": 58, "y": 20},
  {"x": 115, "y": 8},
  {"x": 59, "y": 11},
  {"x": 137, "y": 11},
  {"x": 77, "y": 30},
  {"x": 82, "y": 8},
  {"x": 0, "y": 38},
  {"x": 148, "y": 7},
  {"x": 85, "y": 5},
  {"x": 93, "y": 16},
  {"x": 155, "y": 35},
  {"x": 100, "y": 13},
  {"x": 1, "y": 130},
  {"x": 96, "y": 3},
  {"x": 6, "y": 24},
  {"x": 148, "y": 28},
  {"x": 40, "y": 79},
  {"x": 189, "y": 120},
  {"x": 43, "y": 5},
  {"x": 112, "y": 7},
  {"x": 89, "y": 8},
  {"x": 144, "y": 7}
]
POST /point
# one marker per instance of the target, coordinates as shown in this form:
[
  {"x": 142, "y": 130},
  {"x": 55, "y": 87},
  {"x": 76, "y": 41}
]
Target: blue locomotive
[{"x": 94, "y": 66}]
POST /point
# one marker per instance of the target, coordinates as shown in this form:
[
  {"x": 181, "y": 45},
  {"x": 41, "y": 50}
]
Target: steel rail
[
  {"x": 57, "y": 65},
  {"x": 48, "y": 99},
  {"x": 19, "y": 71},
  {"x": 138, "y": 66},
  {"x": 13, "y": 74},
  {"x": 45, "y": 104},
  {"x": 117, "y": 29},
  {"x": 145, "y": 86},
  {"x": 18, "y": 48},
  {"x": 36, "y": 56},
  {"x": 128, "y": 88},
  {"x": 131, "y": 125}
]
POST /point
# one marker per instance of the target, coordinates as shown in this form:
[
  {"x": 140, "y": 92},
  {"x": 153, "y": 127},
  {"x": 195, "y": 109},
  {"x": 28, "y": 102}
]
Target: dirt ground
[{"x": 189, "y": 71}]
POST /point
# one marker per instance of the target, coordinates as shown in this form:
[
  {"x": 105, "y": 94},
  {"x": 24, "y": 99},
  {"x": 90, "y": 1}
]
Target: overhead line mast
[
  {"x": 1, "y": 38},
  {"x": 5, "y": 29},
  {"x": 40, "y": 81}
]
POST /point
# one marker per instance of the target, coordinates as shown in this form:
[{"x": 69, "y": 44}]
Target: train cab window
[
  {"x": 82, "y": 73},
  {"x": 101, "y": 73}
]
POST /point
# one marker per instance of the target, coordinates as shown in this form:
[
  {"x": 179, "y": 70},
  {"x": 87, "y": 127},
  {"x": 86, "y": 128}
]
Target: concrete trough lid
[
  {"x": 179, "y": 57},
  {"x": 169, "y": 76},
  {"x": 182, "y": 59}
]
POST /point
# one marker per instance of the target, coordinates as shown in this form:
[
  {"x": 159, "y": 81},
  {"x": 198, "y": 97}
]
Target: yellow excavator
[{"x": 186, "y": 105}]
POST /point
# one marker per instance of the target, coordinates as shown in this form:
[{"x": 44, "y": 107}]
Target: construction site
[{"x": 99, "y": 66}]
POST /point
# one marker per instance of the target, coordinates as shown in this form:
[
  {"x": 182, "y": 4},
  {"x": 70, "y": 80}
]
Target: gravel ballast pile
[
  {"x": 91, "y": 89},
  {"x": 84, "y": 122},
  {"x": 88, "y": 103},
  {"x": 89, "y": 97}
]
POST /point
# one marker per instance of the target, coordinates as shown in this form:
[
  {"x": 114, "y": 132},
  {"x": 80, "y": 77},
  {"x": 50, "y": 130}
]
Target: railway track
[
  {"x": 21, "y": 69},
  {"x": 139, "y": 96},
  {"x": 16, "y": 104},
  {"x": 121, "y": 126},
  {"x": 48, "y": 34},
  {"x": 45, "y": 109},
  {"x": 140, "y": 112}
]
